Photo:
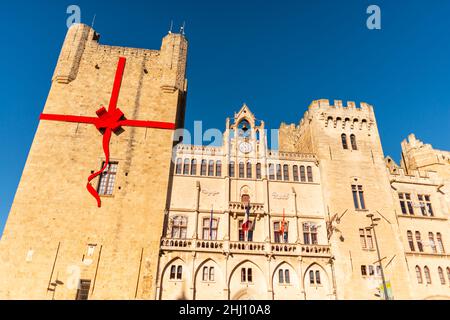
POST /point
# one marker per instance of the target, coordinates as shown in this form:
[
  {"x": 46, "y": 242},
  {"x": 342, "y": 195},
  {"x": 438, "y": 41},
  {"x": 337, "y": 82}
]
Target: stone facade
[
  {"x": 323, "y": 211},
  {"x": 55, "y": 233}
]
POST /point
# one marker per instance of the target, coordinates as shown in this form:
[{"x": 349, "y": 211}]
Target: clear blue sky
[{"x": 277, "y": 56}]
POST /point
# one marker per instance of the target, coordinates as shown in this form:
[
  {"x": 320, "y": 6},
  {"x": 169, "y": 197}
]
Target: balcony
[{"x": 241, "y": 247}]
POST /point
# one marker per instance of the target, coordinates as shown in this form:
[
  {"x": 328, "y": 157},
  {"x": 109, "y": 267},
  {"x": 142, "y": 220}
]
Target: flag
[
  {"x": 246, "y": 224},
  {"x": 283, "y": 224},
  {"x": 211, "y": 220}
]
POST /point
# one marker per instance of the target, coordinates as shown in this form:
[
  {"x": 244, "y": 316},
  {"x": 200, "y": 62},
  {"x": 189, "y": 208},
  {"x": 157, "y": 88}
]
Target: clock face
[{"x": 245, "y": 147}]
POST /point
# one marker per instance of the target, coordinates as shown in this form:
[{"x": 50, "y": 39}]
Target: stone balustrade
[{"x": 261, "y": 248}]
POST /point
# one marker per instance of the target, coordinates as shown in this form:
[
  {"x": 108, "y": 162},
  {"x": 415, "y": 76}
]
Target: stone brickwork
[{"x": 54, "y": 220}]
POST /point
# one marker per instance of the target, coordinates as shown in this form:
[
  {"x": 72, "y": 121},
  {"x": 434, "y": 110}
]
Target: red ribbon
[{"x": 108, "y": 121}]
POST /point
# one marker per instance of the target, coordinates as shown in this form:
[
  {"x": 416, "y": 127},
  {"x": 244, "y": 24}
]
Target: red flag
[
  {"x": 283, "y": 223},
  {"x": 246, "y": 224}
]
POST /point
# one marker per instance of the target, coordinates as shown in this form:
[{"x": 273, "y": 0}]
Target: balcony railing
[{"x": 259, "y": 248}]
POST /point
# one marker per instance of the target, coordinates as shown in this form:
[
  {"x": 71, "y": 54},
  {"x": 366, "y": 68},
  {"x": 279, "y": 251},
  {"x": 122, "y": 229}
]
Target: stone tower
[
  {"x": 355, "y": 183},
  {"x": 57, "y": 243}
]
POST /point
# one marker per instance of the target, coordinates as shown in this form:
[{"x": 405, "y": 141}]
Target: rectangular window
[
  {"x": 363, "y": 270},
  {"x": 179, "y": 227},
  {"x": 278, "y": 237},
  {"x": 258, "y": 171},
  {"x": 362, "y": 237},
  {"x": 358, "y": 197},
  {"x": 425, "y": 205},
  {"x": 310, "y": 233},
  {"x": 242, "y": 233},
  {"x": 371, "y": 271},
  {"x": 286, "y": 172},
  {"x": 83, "y": 290},
  {"x": 405, "y": 203},
  {"x": 108, "y": 179},
  {"x": 241, "y": 170},
  {"x": 210, "y": 229},
  {"x": 369, "y": 239},
  {"x": 295, "y": 173},
  {"x": 231, "y": 169},
  {"x": 279, "y": 177}
]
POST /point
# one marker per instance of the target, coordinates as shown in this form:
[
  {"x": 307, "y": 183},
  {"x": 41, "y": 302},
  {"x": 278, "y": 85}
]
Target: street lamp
[{"x": 373, "y": 225}]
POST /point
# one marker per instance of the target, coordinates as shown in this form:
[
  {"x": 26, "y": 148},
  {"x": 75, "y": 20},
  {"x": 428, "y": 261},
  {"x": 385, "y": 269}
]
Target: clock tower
[{"x": 108, "y": 124}]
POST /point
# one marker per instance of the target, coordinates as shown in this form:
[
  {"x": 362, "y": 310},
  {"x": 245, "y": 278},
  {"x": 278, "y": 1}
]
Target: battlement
[
  {"x": 414, "y": 176},
  {"x": 82, "y": 42},
  {"x": 324, "y": 105}
]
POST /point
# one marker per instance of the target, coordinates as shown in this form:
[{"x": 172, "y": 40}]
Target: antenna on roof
[
  {"x": 171, "y": 26},
  {"x": 93, "y": 21},
  {"x": 183, "y": 28}
]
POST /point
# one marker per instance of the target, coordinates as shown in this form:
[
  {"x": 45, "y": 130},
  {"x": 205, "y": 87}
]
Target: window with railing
[
  {"x": 210, "y": 228},
  {"x": 179, "y": 227},
  {"x": 310, "y": 233},
  {"x": 278, "y": 230},
  {"x": 245, "y": 236}
]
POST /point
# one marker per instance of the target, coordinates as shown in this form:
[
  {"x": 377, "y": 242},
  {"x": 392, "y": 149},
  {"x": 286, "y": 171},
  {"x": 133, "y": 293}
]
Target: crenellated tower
[
  {"x": 58, "y": 244},
  {"x": 355, "y": 183}
]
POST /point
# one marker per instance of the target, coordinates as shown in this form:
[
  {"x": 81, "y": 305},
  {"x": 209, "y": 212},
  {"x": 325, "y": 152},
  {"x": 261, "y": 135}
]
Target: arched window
[
  {"x": 310, "y": 174},
  {"x": 302, "y": 174},
  {"x": 258, "y": 171},
  {"x": 410, "y": 241},
  {"x": 448, "y": 273},
  {"x": 257, "y": 135},
  {"x": 173, "y": 271},
  {"x": 218, "y": 168},
  {"x": 440, "y": 243},
  {"x": 211, "y": 274},
  {"x": 311, "y": 277},
  {"x": 419, "y": 241},
  {"x": 353, "y": 142},
  {"x": 193, "y": 167},
  {"x": 441, "y": 275},
  {"x": 427, "y": 274},
  {"x": 179, "y": 166},
  {"x": 203, "y": 168},
  {"x": 249, "y": 170},
  {"x": 295, "y": 173},
  {"x": 286, "y": 172},
  {"x": 179, "y": 272},
  {"x": 344, "y": 141},
  {"x": 280, "y": 276},
  {"x": 241, "y": 170},
  {"x": 187, "y": 162},
  {"x": 432, "y": 243},
  {"x": 211, "y": 168},
  {"x": 318, "y": 281},
  {"x": 243, "y": 275},
  {"x": 419, "y": 275},
  {"x": 244, "y": 129},
  {"x": 205, "y": 274},
  {"x": 287, "y": 278},
  {"x": 279, "y": 177},
  {"x": 231, "y": 169},
  {"x": 271, "y": 171}
]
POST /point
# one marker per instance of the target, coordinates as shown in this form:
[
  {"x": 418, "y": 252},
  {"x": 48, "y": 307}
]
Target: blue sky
[{"x": 277, "y": 56}]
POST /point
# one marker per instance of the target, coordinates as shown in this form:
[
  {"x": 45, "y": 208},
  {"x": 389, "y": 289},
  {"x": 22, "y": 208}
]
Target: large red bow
[{"x": 108, "y": 121}]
